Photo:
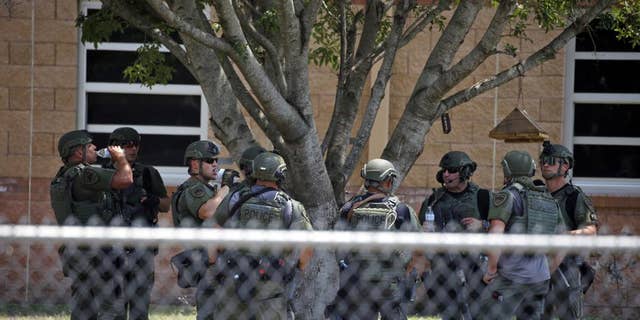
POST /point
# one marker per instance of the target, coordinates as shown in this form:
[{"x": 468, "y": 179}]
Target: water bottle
[
  {"x": 104, "y": 153},
  {"x": 429, "y": 224},
  {"x": 219, "y": 177}
]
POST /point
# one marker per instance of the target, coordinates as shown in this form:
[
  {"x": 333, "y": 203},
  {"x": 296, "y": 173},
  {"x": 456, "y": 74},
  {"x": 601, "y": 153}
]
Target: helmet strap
[{"x": 84, "y": 153}]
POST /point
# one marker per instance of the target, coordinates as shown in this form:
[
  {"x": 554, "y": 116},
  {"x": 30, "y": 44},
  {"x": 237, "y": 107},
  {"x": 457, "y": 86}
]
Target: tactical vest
[
  {"x": 454, "y": 209},
  {"x": 180, "y": 215},
  {"x": 540, "y": 211},
  {"x": 260, "y": 213},
  {"x": 567, "y": 199},
  {"x": 68, "y": 211},
  {"x": 375, "y": 216},
  {"x": 373, "y": 265}
]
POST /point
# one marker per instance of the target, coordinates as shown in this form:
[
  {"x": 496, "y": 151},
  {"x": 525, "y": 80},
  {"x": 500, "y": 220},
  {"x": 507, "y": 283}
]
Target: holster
[{"x": 191, "y": 266}]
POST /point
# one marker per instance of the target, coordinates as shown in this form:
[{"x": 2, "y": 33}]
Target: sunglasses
[
  {"x": 452, "y": 170},
  {"x": 548, "y": 160},
  {"x": 210, "y": 160},
  {"x": 126, "y": 144}
]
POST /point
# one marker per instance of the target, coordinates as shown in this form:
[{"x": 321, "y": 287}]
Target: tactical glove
[{"x": 229, "y": 177}]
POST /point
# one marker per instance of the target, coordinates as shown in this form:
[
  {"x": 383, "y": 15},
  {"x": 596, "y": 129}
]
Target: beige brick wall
[{"x": 38, "y": 71}]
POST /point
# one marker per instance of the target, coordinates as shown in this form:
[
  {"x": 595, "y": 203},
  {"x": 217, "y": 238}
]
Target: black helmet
[
  {"x": 246, "y": 159},
  {"x": 203, "y": 149},
  {"x": 378, "y": 170},
  {"x": 270, "y": 167},
  {"x": 556, "y": 151},
  {"x": 72, "y": 139},
  {"x": 124, "y": 135},
  {"x": 458, "y": 160},
  {"x": 518, "y": 164}
]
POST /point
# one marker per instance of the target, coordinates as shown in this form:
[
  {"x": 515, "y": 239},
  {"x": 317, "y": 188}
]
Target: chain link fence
[{"x": 109, "y": 272}]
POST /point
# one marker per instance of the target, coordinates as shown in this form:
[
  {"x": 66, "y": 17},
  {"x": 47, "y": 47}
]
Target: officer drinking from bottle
[{"x": 81, "y": 195}]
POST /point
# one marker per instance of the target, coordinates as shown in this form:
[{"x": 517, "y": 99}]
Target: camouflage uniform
[
  {"x": 373, "y": 283},
  {"x": 523, "y": 279},
  {"x": 81, "y": 195},
  {"x": 139, "y": 269},
  {"x": 252, "y": 283}
]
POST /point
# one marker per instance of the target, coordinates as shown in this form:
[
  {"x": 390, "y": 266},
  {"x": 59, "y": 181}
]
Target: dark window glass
[
  {"x": 607, "y": 161},
  {"x": 598, "y": 39},
  {"x": 108, "y": 66},
  {"x": 607, "y": 120},
  {"x": 156, "y": 109},
  {"x": 156, "y": 149},
  {"x": 617, "y": 76}
]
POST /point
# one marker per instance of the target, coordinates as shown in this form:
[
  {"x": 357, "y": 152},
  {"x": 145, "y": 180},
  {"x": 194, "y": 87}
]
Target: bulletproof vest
[
  {"x": 452, "y": 209},
  {"x": 375, "y": 215},
  {"x": 180, "y": 215},
  {"x": 260, "y": 212},
  {"x": 68, "y": 211},
  {"x": 375, "y": 265},
  {"x": 540, "y": 211},
  {"x": 131, "y": 197},
  {"x": 567, "y": 198}
]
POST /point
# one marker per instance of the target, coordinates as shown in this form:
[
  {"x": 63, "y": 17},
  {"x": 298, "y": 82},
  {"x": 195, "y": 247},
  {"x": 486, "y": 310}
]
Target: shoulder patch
[
  {"x": 499, "y": 198},
  {"x": 197, "y": 191},
  {"x": 89, "y": 177}
]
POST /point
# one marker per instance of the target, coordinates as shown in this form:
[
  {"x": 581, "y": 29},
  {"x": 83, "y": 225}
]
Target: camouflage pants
[
  {"x": 139, "y": 276},
  {"x": 565, "y": 298},
  {"x": 502, "y": 298},
  {"x": 96, "y": 283}
]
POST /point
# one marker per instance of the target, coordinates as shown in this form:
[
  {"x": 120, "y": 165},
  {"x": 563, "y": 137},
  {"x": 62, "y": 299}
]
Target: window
[
  {"x": 602, "y": 111},
  {"x": 168, "y": 117}
]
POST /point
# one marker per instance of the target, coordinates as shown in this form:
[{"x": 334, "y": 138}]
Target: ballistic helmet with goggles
[
  {"x": 518, "y": 164},
  {"x": 124, "y": 136},
  {"x": 246, "y": 159},
  {"x": 456, "y": 161},
  {"x": 203, "y": 149},
  {"x": 269, "y": 166},
  {"x": 551, "y": 152},
  {"x": 70, "y": 140},
  {"x": 378, "y": 170}
]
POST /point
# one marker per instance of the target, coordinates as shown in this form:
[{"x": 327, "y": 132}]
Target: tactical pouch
[
  {"x": 191, "y": 266},
  {"x": 587, "y": 274}
]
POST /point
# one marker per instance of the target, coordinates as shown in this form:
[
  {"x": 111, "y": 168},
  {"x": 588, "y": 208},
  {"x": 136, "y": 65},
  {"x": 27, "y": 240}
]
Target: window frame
[
  {"x": 592, "y": 185},
  {"x": 172, "y": 176}
]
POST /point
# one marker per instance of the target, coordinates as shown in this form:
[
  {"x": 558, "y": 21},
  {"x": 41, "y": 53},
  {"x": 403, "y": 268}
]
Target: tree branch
[
  {"x": 272, "y": 53},
  {"x": 546, "y": 53},
  {"x": 378, "y": 89}
]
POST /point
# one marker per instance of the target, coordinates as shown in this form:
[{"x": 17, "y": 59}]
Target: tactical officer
[
  {"x": 246, "y": 167},
  {"x": 519, "y": 280},
  {"x": 372, "y": 282},
  {"x": 252, "y": 282},
  {"x": 566, "y": 294},
  {"x": 82, "y": 195},
  {"x": 140, "y": 202},
  {"x": 196, "y": 200},
  {"x": 459, "y": 206}
]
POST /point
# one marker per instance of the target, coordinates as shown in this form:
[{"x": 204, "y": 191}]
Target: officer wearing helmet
[
  {"x": 519, "y": 281},
  {"x": 459, "y": 206},
  {"x": 246, "y": 167},
  {"x": 82, "y": 195},
  {"x": 254, "y": 281},
  {"x": 140, "y": 202},
  {"x": 372, "y": 283},
  {"x": 565, "y": 299},
  {"x": 195, "y": 201}
]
